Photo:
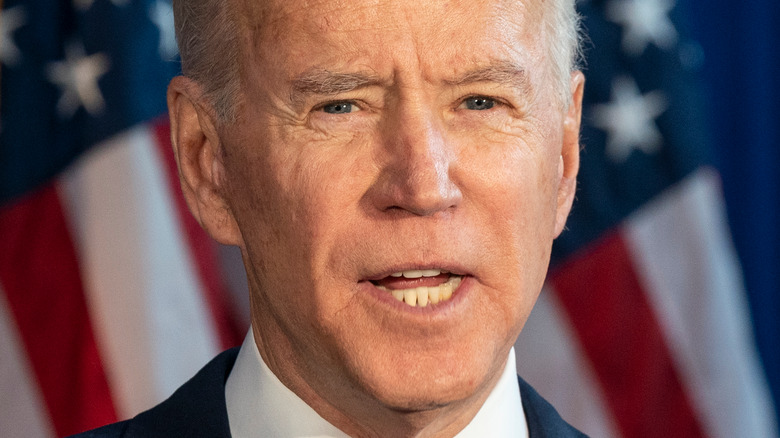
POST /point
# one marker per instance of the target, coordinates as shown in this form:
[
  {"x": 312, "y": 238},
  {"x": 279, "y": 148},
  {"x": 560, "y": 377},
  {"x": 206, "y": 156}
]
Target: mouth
[{"x": 420, "y": 288}]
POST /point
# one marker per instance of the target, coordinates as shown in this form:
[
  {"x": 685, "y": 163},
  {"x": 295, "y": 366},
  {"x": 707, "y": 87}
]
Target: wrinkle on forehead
[
  {"x": 351, "y": 15},
  {"x": 510, "y": 30},
  {"x": 272, "y": 18}
]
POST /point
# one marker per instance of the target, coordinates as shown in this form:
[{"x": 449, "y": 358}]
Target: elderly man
[{"x": 394, "y": 173}]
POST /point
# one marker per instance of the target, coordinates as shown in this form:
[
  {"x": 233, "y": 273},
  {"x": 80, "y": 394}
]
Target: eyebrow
[
  {"x": 501, "y": 72},
  {"x": 324, "y": 82},
  {"x": 328, "y": 83}
]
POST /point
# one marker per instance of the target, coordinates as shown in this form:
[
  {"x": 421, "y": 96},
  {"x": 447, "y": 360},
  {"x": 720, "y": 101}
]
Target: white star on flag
[
  {"x": 83, "y": 5},
  {"x": 77, "y": 76},
  {"x": 161, "y": 14},
  {"x": 629, "y": 120},
  {"x": 644, "y": 22},
  {"x": 10, "y": 20}
]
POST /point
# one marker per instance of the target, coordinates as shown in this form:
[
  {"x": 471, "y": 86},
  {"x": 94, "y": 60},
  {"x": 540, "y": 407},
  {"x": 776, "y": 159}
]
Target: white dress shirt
[{"x": 259, "y": 405}]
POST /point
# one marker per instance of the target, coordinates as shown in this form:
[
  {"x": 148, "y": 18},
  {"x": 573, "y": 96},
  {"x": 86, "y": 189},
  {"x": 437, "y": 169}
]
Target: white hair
[
  {"x": 208, "y": 37},
  {"x": 207, "y": 32},
  {"x": 563, "y": 28}
]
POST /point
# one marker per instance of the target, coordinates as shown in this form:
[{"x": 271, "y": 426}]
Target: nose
[{"x": 417, "y": 165}]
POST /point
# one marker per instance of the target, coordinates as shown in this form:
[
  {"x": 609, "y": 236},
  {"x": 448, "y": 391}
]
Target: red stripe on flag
[
  {"x": 41, "y": 278},
  {"x": 617, "y": 328},
  {"x": 202, "y": 246}
]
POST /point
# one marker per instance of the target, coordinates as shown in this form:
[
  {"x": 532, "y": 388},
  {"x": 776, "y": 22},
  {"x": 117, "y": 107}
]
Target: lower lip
[{"x": 458, "y": 295}]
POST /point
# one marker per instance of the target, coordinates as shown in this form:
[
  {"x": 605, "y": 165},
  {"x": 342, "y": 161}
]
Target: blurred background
[{"x": 659, "y": 317}]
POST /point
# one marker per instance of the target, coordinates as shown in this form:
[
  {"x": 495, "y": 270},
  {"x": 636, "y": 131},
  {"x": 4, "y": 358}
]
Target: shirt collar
[{"x": 259, "y": 405}]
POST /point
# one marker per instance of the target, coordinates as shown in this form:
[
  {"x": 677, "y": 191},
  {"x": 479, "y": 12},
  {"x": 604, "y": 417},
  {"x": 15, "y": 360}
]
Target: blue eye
[
  {"x": 338, "y": 108},
  {"x": 479, "y": 103}
]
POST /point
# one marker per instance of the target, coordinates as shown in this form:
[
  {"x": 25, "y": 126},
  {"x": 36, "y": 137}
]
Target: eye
[
  {"x": 339, "y": 108},
  {"x": 478, "y": 103}
]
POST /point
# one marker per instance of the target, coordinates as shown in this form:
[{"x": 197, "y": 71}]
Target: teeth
[
  {"x": 417, "y": 273},
  {"x": 413, "y": 274},
  {"x": 422, "y": 296},
  {"x": 446, "y": 292},
  {"x": 410, "y": 297},
  {"x": 435, "y": 292}
]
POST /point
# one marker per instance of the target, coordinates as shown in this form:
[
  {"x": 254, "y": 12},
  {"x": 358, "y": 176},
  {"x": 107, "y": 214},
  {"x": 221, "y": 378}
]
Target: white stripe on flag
[
  {"x": 152, "y": 324},
  {"x": 683, "y": 253},
  {"x": 549, "y": 358},
  {"x": 22, "y": 409}
]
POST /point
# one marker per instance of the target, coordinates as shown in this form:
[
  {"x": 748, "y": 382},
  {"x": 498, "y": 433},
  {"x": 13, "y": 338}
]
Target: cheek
[
  {"x": 515, "y": 176},
  {"x": 282, "y": 209},
  {"x": 512, "y": 189},
  {"x": 297, "y": 198},
  {"x": 322, "y": 187}
]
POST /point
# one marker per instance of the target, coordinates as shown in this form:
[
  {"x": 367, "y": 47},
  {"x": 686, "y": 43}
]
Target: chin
[{"x": 432, "y": 384}]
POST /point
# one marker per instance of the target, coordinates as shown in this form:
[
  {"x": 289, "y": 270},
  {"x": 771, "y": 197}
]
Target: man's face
[{"x": 383, "y": 137}]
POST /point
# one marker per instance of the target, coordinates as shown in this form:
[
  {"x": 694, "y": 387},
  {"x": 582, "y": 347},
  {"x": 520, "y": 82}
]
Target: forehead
[{"x": 377, "y": 33}]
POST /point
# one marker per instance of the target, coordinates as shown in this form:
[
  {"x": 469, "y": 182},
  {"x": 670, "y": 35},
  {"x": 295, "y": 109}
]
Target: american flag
[
  {"x": 644, "y": 330},
  {"x": 111, "y": 296}
]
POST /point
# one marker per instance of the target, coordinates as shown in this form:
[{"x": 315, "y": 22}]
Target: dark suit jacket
[{"x": 197, "y": 409}]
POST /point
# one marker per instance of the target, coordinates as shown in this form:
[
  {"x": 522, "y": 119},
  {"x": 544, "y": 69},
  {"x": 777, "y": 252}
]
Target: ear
[
  {"x": 569, "y": 163},
  {"x": 199, "y": 157}
]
